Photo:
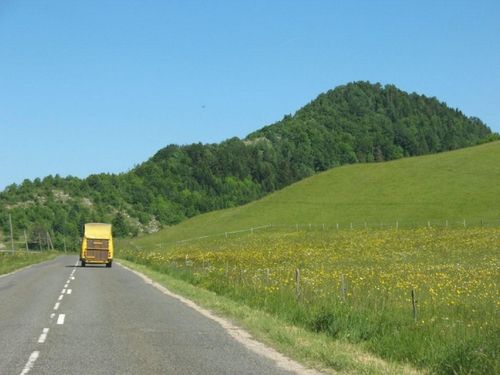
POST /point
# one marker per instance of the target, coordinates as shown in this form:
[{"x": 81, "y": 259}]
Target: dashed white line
[
  {"x": 31, "y": 362},
  {"x": 60, "y": 319},
  {"x": 43, "y": 336}
]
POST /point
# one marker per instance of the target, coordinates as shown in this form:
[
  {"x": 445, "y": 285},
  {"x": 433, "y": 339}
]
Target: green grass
[
  {"x": 315, "y": 350},
  {"x": 12, "y": 261},
  {"x": 453, "y": 186},
  {"x": 356, "y": 286}
]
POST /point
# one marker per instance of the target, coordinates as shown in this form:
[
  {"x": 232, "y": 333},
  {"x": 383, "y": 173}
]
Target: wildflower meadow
[{"x": 424, "y": 296}]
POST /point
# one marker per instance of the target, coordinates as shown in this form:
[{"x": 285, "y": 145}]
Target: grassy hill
[{"x": 456, "y": 185}]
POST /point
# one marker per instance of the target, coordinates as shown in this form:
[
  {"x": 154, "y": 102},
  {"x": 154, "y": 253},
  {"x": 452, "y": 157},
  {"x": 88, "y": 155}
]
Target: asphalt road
[{"x": 56, "y": 318}]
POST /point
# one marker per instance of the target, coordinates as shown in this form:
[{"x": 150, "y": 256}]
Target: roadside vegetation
[
  {"x": 357, "y": 286},
  {"x": 316, "y": 350},
  {"x": 11, "y": 261}
]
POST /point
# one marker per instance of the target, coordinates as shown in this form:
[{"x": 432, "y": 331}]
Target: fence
[
  {"x": 392, "y": 225},
  {"x": 35, "y": 240}
]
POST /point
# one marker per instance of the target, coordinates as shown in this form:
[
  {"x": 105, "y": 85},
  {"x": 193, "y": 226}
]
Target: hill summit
[{"x": 357, "y": 122}]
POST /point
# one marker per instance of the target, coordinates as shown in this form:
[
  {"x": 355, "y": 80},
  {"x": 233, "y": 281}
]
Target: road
[{"x": 59, "y": 318}]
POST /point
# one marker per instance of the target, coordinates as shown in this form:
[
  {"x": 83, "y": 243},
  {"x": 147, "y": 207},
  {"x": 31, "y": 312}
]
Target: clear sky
[{"x": 99, "y": 86}]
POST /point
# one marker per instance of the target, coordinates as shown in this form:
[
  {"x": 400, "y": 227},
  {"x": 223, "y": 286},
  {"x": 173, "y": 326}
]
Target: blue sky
[{"x": 99, "y": 86}]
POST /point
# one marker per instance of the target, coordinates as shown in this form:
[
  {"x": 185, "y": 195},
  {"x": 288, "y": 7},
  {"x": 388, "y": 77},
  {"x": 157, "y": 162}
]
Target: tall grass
[{"x": 356, "y": 285}]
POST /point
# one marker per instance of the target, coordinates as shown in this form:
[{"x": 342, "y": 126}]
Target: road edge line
[{"x": 237, "y": 333}]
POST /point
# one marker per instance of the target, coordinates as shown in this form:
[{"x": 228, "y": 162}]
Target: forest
[{"x": 355, "y": 123}]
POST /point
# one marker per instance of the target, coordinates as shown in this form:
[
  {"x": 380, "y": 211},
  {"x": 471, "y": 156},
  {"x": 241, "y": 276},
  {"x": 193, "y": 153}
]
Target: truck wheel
[
  {"x": 83, "y": 263},
  {"x": 108, "y": 265}
]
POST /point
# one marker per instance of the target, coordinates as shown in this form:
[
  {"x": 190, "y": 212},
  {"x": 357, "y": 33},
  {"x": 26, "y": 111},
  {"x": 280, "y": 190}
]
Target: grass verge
[
  {"x": 10, "y": 262},
  {"x": 315, "y": 350}
]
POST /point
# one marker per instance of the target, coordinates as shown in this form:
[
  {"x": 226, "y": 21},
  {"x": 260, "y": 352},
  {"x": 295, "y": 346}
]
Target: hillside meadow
[{"x": 440, "y": 190}]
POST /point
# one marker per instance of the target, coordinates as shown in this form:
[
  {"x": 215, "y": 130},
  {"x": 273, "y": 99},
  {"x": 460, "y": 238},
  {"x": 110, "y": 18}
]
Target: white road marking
[
  {"x": 60, "y": 297},
  {"x": 43, "y": 336},
  {"x": 60, "y": 319},
  {"x": 31, "y": 362},
  {"x": 52, "y": 316},
  {"x": 68, "y": 281},
  {"x": 236, "y": 332},
  {"x": 72, "y": 277},
  {"x": 69, "y": 291},
  {"x": 63, "y": 291},
  {"x": 56, "y": 306},
  {"x": 65, "y": 285}
]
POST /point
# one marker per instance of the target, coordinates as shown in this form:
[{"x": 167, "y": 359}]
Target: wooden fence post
[
  {"x": 11, "y": 234},
  {"x": 414, "y": 304},
  {"x": 26, "y": 240},
  {"x": 342, "y": 286},
  {"x": 50, "y": 245},
  {"x": 297, "y": 283}
]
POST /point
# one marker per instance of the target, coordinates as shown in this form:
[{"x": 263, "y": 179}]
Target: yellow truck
[{"x": 97, "y": 244}]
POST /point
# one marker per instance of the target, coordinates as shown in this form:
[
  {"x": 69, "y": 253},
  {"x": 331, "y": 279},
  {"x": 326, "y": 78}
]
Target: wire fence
[
  {"x": 366, "y": 225},
  {"x": 43, "y": 241},
  {"x": 35, "y": 238}
]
